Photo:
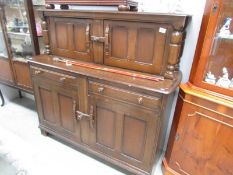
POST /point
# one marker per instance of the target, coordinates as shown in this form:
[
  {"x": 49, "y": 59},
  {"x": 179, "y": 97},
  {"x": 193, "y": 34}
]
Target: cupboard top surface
[
  {"x": 179, "y": 21},
  {"x": 165, "y": 86}
]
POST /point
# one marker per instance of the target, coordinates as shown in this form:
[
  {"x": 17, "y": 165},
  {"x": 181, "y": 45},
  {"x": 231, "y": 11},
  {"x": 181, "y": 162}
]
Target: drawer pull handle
[
  {"x": 100, "y": 89},
  {"x": 140, "y": 100},
  {"x": 81, "y": 115},
  {"x": 62, "y": 79},
  {"x": 37, "y": 72}
]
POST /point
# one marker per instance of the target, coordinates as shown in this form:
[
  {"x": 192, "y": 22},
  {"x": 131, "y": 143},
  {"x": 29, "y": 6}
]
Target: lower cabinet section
[
  {"x": 200, "y": 140},
  {"x": 123, "y": 131},
  {"x": 5, "y": 71},
  {"x": 22, "y": 75},
  {"x": 117, "y": 125}
]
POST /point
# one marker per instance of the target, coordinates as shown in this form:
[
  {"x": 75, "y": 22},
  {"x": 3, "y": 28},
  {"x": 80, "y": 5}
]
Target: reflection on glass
[
  {"x": 18, "y": 29},
  {"x": 3, "y": 50},
  {"x": 219, "y": 70}
]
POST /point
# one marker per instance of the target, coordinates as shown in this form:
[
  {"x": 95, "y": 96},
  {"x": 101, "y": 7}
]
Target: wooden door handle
[
  {"x": 106, "y": 34},
  {"x": 88, "y": 37}
]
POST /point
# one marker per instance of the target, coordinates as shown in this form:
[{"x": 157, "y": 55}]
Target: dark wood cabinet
[
  {"x": 105, "y": 85},
  {"x": 200, "y": 141},
  {"x": 58, "y": 101},
  {"x": 120, "y": 124}
]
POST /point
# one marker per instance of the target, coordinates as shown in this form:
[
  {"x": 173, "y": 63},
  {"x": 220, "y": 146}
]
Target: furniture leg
[{"x": 2, "y": 98}]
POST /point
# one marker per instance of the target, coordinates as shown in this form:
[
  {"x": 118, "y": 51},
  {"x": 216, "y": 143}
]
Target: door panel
[
  {"x": 22, "y": 74},
  {"x": 5, "y": 71},
  {"x": 203, "y": 145},
  {"x": 66, "y": 112},
  {"x": 57, "y": 105},
  {"x": 119, "y": 42},
  {"x": 46, "y": 97},
  {"x": 134, "y": 133},
  {"x": 106, "y": 127},
  {"x": 71, "y": 38},
  {"x": 136, "y": 46},
  {"x": 123, "y": 131}
]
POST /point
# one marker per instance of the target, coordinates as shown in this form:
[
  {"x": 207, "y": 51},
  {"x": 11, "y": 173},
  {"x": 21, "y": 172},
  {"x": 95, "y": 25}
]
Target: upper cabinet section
[
  {"x": 145, "y": 42},
  {"x": 214, "y": 70}
]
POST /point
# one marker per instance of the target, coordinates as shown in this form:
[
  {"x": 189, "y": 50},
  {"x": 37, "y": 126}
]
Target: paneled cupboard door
[
  {"x": 126, "y": 132},
  {"x": 71, "y": 38},
  {"x": 57, "y": 108},
  {"x": 135, "y": 45}
]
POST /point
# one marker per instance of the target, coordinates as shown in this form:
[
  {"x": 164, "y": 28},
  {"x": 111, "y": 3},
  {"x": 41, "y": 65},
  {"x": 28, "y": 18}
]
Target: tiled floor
[{"x": 22, "y": 143}]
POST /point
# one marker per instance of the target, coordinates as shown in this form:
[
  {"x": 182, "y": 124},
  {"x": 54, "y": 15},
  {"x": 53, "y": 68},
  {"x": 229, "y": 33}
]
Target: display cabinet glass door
[
  {"x": 219, "y": 67},
  {"x": 3, "y": 49},
  {"x": 18, "y": 31}
]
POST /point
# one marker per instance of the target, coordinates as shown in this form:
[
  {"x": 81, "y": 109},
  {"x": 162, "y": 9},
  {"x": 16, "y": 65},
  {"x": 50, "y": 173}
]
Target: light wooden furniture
[
  {"x": 86, "y": 98},
  {"x": 200, "y": 141}
]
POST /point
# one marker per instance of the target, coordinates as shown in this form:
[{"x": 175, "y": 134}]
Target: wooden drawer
[
  {"x": 126, "y": 96},
  {"x": 54, "y": 76}
]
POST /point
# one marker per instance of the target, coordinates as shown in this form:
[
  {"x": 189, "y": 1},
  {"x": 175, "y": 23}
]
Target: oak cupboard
[
  {"x": 200, "y": 140},
  {"x": 105, "y": 85}
]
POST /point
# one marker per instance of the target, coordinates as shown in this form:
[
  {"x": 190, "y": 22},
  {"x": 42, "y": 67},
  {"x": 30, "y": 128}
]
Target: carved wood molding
[
  {"x": 205, "y": 108},
  {"x": 45, "y": 32},
  {"x": 209, "y": 117},
  {"x": 175, "y": 48}
]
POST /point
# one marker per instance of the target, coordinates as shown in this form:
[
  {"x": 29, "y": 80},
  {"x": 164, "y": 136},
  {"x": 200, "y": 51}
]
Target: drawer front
[
  {"x": 54, "y": 76},
  {"x": 126, "y": 96}
]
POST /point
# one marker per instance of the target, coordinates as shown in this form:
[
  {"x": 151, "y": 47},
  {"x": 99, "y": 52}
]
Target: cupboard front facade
[
  {"x": 106, "y": 82},
  {"x": 118, "y": 125}
]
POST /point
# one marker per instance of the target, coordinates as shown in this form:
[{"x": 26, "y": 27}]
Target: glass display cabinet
[
  {"x": 215, "y": 63},
  {"x": 21, "y": 38},
  {"x": 200, "y": 139},
  {"x": 6, "y": 75}
]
